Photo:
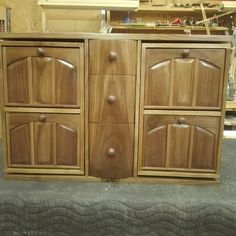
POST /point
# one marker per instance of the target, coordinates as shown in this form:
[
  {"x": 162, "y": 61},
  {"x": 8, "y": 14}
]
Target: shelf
[
  {"x": 231, "y": 106},
  {"x": 122, "y": 27},
  {"x": 147, "y": 7}
]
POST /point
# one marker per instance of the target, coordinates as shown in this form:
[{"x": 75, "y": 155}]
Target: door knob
[
  {"x": 181, "y": 121},
  {"x": 40, "y": 52},
  {"x": 111, "y": 99},
  {"x": 111, "y": 152},
  {"x": 42, "y": 118},
  {"x": 112, "y": 56},
  {"x": 185, "y": 53}
]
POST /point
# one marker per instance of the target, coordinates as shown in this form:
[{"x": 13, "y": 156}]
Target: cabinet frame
[
  {"x": 168, "y": 110},
  {"x": 47, "y": 170}
]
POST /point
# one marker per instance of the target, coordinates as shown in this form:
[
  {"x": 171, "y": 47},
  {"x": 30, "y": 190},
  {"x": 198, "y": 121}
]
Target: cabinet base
[{"x": 150, "y": 180}]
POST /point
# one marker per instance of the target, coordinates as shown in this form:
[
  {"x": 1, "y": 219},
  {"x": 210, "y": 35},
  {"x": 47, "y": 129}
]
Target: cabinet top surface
[{"x": 143, "y": 37}]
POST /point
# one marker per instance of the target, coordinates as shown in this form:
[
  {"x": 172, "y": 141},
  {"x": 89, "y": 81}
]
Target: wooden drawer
[
  {"x": 111, "y": 57},
  {"x": 42, "y": 76},
  {"x": 176, "y": 142},
  {"x": 184, "y": 77},
  {"x": 112, "y": 98},
  {"x": 111, "y": 150},
  {"x": 44, "y": 140}
]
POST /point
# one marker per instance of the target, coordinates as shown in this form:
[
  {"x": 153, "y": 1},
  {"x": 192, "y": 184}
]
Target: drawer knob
[
  {"x": 185, "y": 53},
  {"x": 40, "y": 51},
  {"x": 181, "y": 121},
  {"x": 111, "y": 152},
  {"x": 112, "y": 56},
  {"x": 111, "y": 99},
  {"x": 42, "y": 118}
]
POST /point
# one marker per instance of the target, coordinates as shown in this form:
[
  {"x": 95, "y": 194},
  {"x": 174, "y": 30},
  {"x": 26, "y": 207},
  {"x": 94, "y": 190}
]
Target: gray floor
[{"x": 66, "y": 207}]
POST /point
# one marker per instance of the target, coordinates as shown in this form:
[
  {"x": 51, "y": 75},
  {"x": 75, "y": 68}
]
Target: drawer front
[
  {"x": 111, "y": 150},
  {"x": 42, "y": 76},
  {"x": 184, "y": 78},
  {"x": 112, "y": 98},
  {"x": 111, "y": 57},
  {"x": 172, "y": 142},
  {"x": 44, "y": 140}
]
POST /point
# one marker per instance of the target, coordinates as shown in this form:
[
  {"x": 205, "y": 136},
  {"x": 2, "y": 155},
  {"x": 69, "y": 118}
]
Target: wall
[{"x": 27, "y": 17}]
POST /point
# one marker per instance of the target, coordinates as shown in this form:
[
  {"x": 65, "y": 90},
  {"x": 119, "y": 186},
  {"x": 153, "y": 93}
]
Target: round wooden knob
[
  {"x": 111, "y": 99},
  {"x": 185, "y": 53},
  {"x": 112, "y": 56},
  {"x": 42, "y": 118},
  {"x": 40, "y": 51},
  {"x": 111, "y": 152},
  {"x": 181, "y": 121}
]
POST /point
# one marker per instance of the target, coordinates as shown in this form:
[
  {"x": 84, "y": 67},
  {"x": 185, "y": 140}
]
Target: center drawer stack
[{"x": 112, "y": 78}]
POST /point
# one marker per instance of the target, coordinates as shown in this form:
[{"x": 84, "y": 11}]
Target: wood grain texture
[
  {"x": 124, "y": 64},
  {"x": 118, "y": 137},
  {"x": 111, "y": 99},
  {"x": 51, "y": 134},
  {"x": 167, "y": 142},
  {"x": 193, "y": 80},
  {"x": 50, "y": 75}
]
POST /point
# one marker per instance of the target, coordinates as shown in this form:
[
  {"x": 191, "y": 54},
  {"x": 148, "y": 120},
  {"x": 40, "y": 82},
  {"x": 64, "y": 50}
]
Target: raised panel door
[
  {"x": 175, "y": 142},
  {"x": 187, "y": 78},
  {"x": 40, "y": 139},
  {"x": 43, "y": 76}
]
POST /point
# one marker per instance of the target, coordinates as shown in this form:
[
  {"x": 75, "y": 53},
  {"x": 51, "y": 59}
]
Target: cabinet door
[
  {"x": 42, "y": 76},
  {"x": 112, "y": 98},
  {"x": 173, "y": 142},
  {"x": 112, "y": 57},
  {"x": 184, "y": 77},
  {"x": 111, "y": 150},
  {"x": 44, "y": 140}
]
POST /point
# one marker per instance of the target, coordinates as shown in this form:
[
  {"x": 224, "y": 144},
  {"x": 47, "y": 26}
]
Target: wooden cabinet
[
  {"x": 42, "y": 76},
  {"x": 116, "y": 107},
  {"x": 44, "y": 107},
  {"x": 181, "y": 110},
  {"x": 112, "y": 85}
]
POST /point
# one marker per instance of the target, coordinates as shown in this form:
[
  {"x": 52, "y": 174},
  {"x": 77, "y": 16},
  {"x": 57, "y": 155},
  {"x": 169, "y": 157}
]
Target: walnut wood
[
  {"x": 119, "y": 89},
  {"x": 193, "y": 81},
  {"x": 111, "y": 150},
  {"x": 156, "y": 90},
  {"x": 111, "y": 57},
  {"x": 166, "y": 142},
  {"x": 66, "y": 139},
  {"x": 52, "y": 78}
]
